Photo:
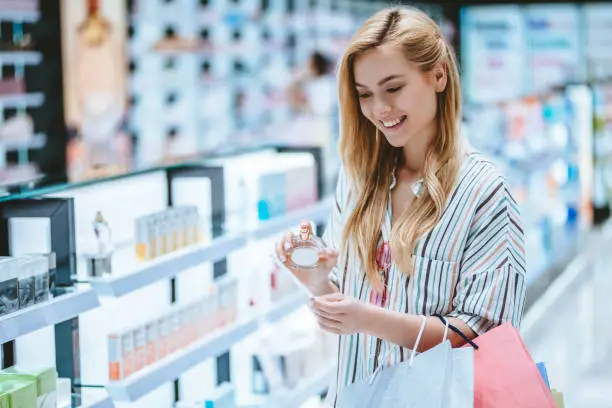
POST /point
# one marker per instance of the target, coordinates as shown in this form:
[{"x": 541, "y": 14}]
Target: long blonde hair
[{"x": 369, "y": 159}]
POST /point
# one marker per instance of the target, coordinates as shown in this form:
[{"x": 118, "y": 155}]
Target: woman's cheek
[{"x": 366, "y": 111}]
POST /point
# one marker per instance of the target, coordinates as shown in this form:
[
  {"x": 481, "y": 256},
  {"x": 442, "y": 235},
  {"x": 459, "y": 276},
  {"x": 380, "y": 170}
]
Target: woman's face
[{"x": 395, "y": 95}]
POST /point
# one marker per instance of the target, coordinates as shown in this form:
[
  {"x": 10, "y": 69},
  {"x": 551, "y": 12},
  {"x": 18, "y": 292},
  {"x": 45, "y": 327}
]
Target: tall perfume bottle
[
  {"x": 103, "y": 234},
  {"x": 305, "y": 248},
  {"x": 99, "y": 263}
]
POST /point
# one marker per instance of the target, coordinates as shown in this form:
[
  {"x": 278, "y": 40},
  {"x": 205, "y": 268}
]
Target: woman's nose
[{"x": 381, "y": 108}]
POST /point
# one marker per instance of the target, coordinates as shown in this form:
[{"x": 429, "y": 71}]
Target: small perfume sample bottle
[
  {"x": 103, "y": 234},
  {"x": 305, "y": 248},
  {"x": 99, "y": 263}
]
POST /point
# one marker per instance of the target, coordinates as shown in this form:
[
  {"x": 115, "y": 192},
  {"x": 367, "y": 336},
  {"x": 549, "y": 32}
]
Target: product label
[
  {"x": 175, "y": 330},
  {"x": 9, "y": 296},
  {"x": 140, "y": 341},
  {"x": 115, "y": 358},
  {"x": 127, "y": 348},
  {"x": 41, "y": 287},
  {"x": 26, "y": 292},
  {"x": 162, "y": 339}
]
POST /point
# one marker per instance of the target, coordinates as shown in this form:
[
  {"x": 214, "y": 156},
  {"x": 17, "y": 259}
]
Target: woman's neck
[{"x": 415, "y": 151}]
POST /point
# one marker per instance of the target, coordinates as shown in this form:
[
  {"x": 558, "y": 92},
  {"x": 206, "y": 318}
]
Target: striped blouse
[{"x": 470, "y": 266}]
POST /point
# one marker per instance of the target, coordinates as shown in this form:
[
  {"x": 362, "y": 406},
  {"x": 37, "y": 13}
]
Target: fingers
[
  {"x": 329, "y": 325},
  {"x": 280, "y": 253},
  {"x": 332, "y": 304},
  {"x": 283, "y": 246},
  {"x": 328, "y": 258},
  {"x": 333, "y": 319}
]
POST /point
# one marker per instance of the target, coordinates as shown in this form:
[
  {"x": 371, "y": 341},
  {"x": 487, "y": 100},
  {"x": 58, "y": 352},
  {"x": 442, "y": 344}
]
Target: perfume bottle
[
  {"x": 99, "y": 263},
  {"x": 305, "y": 248},
  {"x": 103, "y": 234}
]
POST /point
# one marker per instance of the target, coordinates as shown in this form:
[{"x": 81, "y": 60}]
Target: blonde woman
[{"x": 421, "y": 225}]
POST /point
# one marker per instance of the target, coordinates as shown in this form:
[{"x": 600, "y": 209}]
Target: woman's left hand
[{"x": 340, "y": 314}]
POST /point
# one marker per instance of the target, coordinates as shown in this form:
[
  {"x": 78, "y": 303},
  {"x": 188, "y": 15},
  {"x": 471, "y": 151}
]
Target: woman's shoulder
[{"x": 480, "y": 174}]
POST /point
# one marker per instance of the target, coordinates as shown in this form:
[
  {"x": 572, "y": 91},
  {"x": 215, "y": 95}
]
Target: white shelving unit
[
  {"x": 285, "y": 307},
  {"x": 55, "y": 311},
  {"x": 149, "y": 379},
  {"x": 25, "y": 16},
  {"x": 167, "y": 266},
  {"x": 91, "y": 398},
  {"x": 20, "y": 57},
  {"x": 172, "y": 264},
  {"x": 29, "y": 100},
  {"x": 106, "y": 402},
  {"x": 37, "y": 142},
  {"x": 307, "y": 389}
]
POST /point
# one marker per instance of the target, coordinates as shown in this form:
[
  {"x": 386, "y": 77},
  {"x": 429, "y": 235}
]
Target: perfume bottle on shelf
[
  {"x": 103, "y": 234},
  {"x": 99, "y": 263},
  {"x": 305, "y": 248}
]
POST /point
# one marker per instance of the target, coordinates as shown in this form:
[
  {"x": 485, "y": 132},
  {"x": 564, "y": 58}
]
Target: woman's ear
[{"x": 440, "y": 78}]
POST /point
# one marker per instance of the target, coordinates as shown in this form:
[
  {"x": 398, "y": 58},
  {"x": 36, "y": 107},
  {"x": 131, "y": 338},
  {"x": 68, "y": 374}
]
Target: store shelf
[
  {"x": 166, "y": 266},
  {"x": 91, "y": 398},
  {"x": 37, "y": 142},
  {"x": 285, "y": 306},
  {"x": 149, "y": 379},
  {"x": 28, "y": 100},
  {"x": 317, "y": 213},
  {"x": 55, "y": 311},
  {"x": 27, "y": 16},
  {"x": 308, "y": 388},
  {"x": 105, "y": 402},
  {"x": 20, "y": 57}
]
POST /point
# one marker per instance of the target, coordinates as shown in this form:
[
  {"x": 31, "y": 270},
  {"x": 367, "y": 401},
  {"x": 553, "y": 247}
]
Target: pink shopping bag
[{"x": 505, "y": 375}]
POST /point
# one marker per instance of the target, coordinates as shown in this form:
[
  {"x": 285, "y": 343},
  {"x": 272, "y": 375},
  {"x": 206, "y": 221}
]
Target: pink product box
[
  {"x": 210, "y": 314},
  {"x": 163, "y": 339},
  {"x": 301, "y": 187},
  {"x": 152, "y": 329},
  {"x": 19, "y": 5},
  {"x": 12, "y": 86},
  {"x": 140, "y": 348},
  {"x": 176, "y": 341}
]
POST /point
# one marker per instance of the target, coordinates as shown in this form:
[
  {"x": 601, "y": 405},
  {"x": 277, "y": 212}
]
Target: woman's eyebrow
[{"x": 382, "y": 81}]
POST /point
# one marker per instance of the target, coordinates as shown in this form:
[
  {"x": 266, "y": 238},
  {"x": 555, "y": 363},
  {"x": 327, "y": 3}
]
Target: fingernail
[
  {"x": 283, "y": 258},
  {"x": 287, "y": 245}
]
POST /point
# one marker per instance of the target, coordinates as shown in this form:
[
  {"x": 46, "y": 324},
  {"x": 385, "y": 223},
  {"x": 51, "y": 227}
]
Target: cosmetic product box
[
  {"x": 9, "y": 286},
  {"x": 45, "y": 380},
  {"x": 121, "y": 355},
  {"x": 18, "y": 392}
]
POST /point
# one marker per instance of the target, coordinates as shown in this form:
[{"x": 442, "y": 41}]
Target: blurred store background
[{"x": 212, "y": 126}]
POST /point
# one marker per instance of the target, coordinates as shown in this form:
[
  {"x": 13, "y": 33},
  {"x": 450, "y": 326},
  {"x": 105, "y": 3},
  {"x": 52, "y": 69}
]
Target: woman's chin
[{"x": 396, "y": 140}]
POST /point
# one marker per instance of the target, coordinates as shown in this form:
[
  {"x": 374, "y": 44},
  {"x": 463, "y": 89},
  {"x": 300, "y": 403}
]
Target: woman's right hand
[{"x": 316, "y": 279}]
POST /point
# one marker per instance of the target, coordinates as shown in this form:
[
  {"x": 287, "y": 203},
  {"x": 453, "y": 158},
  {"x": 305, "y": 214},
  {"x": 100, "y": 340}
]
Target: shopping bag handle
[{"x": 456, "y": 330}]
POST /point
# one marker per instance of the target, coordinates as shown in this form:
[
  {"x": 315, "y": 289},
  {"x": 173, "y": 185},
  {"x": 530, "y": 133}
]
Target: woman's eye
[
  {"x": 364, "y": 96},
  {"x": 393, "y": 90}
]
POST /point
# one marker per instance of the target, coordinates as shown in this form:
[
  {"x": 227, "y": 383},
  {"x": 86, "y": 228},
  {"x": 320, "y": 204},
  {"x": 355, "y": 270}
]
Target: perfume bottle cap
[{"x": 305, "y": 231}]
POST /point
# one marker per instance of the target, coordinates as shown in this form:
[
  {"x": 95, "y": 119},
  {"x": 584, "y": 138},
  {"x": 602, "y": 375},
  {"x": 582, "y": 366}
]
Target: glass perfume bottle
[
  {"x": 103, "y": 234},
  {"x": 99, "y": 262},
  {"x": 305, "y": 248}
]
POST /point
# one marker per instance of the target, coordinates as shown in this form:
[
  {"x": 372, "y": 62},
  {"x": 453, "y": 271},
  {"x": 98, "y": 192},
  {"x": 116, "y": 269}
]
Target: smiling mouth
[{"x": 393, "y": 124}]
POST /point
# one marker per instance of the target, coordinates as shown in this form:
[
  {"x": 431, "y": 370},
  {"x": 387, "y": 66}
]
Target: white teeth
[{"x": 393, "y": 123}]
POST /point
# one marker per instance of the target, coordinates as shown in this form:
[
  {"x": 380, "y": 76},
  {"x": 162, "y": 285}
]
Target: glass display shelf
[
  {"x": 53, "y": 311},
  {"x": 171, "y": 367},
  {"x": 128, "y": 273},
  {"x": 55, "y": 183}
]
